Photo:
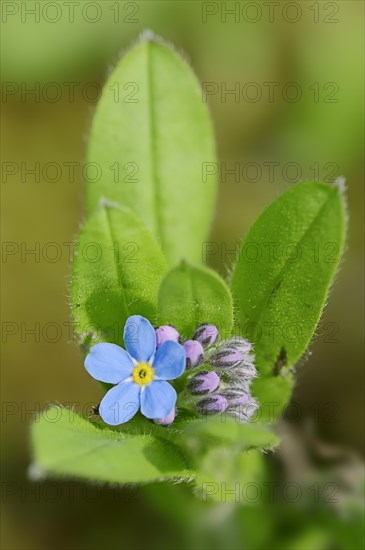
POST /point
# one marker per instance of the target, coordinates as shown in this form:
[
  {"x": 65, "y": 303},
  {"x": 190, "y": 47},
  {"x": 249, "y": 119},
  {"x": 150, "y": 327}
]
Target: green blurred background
[{"x": 319, "y": 47}]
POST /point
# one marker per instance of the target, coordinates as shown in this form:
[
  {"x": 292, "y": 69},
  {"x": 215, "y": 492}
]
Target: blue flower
[{"x": 140, "y": 373}]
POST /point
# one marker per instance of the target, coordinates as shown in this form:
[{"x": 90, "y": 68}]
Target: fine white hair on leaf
[
  {"x": 340, "y": 182},
  {"x": 36, "y": 473},
  {"x": 147, "y": 35},
  {"x": 106, "y": 203}
]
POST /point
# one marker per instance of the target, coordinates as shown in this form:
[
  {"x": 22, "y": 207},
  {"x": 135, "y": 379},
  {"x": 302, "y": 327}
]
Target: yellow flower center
[{"x": 143, "y": 374}]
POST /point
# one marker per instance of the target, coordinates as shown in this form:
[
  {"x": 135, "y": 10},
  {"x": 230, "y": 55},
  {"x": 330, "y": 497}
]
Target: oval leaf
[
  {"x": 190, "y": 296},
  {"x": 116, "y": 273},
  {"x": 150, "y": 138},
  {"x": 222, "y": 428},
  {"x": 66, "y": 444},
  {"x": 225, "y": 473},
  {"x": 286, "y": 265}
]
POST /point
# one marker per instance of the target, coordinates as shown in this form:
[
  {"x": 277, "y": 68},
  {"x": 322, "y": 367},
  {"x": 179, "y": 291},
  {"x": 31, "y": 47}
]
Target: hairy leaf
[
  {"x": 116, "y": 273},
  {"x": 150, "y": 140},
  {"x": 66, "y": 444},
  {"x": 226, "y": 475},
  {"x": 224, "y": 429},
  {"x": 285, "y": 267},
  {"x": 190, "y": 296}
]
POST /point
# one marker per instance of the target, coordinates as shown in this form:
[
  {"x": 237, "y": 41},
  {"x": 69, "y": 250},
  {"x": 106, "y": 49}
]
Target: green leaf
[
  {"x": 285, "y": 268},
  {"x": 190, "y": 296},
  {"x": 116, "y": 273},
  {"x": 150, "y": 136},
  {"x": 226, "y": 475},
  {"x": 273, "y": 393},
  {"x": 224, "y": 429},
  {"x": 66, "y": 444}
]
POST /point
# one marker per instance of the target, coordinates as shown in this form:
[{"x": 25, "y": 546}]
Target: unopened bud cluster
[
  {"x": 225, "y": 382},
  {"x": 224, "y": 371}
]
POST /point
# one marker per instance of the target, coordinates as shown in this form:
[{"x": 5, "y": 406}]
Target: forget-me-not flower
[{"x": 140, "y": 373}]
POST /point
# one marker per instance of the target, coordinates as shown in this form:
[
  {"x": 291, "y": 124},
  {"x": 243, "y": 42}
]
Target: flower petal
[
  {"x": 169, "y": 362},
  {"x": 108, "y": 363},
  {"x": 121, "y": 403},
  {"x": 157, "y": 399},
  {"x": 139, "y": 338}
]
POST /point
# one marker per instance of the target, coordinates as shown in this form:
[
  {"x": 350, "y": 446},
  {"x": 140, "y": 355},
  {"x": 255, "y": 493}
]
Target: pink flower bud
[
  {"x": 167, "y": 420},
  {"x": 164, "y": 333},
  {"x": 206, "y": 334},
  {"x": 194, "y": 353},
  {"x": 204, "y": 382}
]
